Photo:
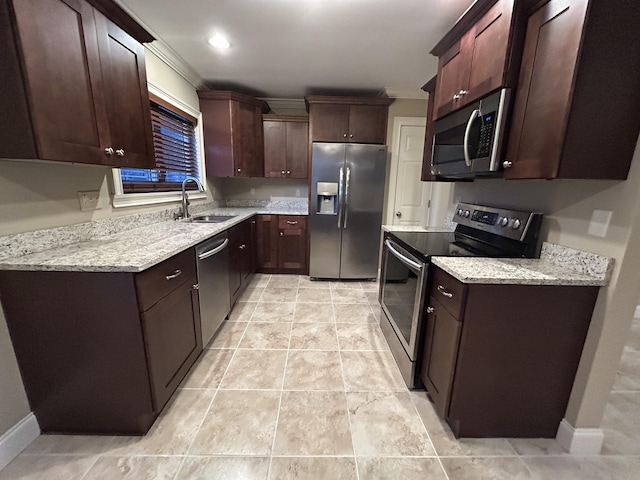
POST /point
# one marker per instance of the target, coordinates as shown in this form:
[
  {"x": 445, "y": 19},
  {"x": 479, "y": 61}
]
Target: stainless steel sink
[{"x": 211, "y": 218}]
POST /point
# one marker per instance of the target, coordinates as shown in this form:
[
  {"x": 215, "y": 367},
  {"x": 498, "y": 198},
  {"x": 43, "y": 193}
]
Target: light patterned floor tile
[
  {"x": 134, "y": 468},
  {"x": 310, "y": 336},
  {"x": 224, "y": 468},
  {"x": 313, "y": 468},
  {"x": 255, "y": 370}
]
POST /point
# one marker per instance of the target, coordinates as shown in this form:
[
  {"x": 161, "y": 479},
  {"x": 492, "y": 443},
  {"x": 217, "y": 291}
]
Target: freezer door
[
  {"x": 363, "y": 197},
  {"x": 327, "y": 161}
]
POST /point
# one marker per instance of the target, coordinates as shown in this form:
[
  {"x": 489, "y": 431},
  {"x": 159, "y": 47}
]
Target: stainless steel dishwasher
[{"x": 213, "y": 278}]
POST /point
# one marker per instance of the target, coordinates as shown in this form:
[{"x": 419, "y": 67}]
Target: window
[{"x": 177, "y": 152}]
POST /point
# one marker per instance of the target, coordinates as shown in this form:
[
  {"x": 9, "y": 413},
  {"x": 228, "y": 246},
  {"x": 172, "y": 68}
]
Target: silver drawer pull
[
  {"x": 430, "y": 310},
  {"x": 444, "y": 292},
  {"x": 175, "y": 274},
  {"x": 289, "y": 222}
]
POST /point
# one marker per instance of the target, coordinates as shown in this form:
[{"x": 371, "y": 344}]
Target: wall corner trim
[
  {"x": 579, "y": 441},
  {"x": 17, "y": 438}
]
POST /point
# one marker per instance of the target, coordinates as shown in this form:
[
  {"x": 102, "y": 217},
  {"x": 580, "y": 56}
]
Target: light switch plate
[
  {"x": 89, "y": 200},
  {"x": 599, "y": 223}
]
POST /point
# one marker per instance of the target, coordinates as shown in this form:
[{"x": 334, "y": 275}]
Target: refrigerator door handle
[
  {"x": 346, "y": 198},
  {"x": 340, "y": 202}
]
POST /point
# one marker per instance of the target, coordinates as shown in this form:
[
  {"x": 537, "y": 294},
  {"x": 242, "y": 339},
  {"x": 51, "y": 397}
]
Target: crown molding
[
  {"x": 165, "y": 53},
  {"x": 285, "y": 103},
  {"x": 407, "y": 93}
]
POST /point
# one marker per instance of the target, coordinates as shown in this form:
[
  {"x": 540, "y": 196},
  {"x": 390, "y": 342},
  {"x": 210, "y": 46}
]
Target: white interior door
[{"x": 411, "y": 196}]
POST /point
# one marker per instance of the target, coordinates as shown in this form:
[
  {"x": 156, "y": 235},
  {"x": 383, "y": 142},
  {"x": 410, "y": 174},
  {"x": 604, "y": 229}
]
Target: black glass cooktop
[{"x": 429, "y": 244}]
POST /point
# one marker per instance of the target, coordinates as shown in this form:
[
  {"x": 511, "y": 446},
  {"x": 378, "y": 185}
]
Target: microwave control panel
[{"x": 486, "y": 134}]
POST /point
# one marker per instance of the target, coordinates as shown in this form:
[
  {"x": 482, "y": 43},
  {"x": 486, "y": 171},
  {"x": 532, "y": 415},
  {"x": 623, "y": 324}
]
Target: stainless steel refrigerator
[{"x": 347, "y": 190}]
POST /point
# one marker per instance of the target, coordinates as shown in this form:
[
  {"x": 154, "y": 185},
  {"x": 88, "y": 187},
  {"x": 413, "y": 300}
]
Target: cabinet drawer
[
  {"x": 157, "y": 282},
  {"x": 291, "y": 222},
  {"x": 449, "y": 292}
]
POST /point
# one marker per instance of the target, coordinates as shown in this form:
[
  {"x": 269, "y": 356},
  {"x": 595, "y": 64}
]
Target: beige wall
[
  {"x": 568, "y": 205},
  {"x": 36, "y": 195},
  {"x": 263, "y": 188}
]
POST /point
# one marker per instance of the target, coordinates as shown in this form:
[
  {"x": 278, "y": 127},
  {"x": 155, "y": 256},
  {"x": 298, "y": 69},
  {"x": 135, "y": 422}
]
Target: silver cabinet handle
[
  {"x": 456, "y": 97},
  {"x": 243, "y": 246},
  {"x": 108, "y": 151},
  {"x": 475, "y": 114},
  {"x": 120, "y": 152},
  {"x": 289, "y": 222},
  {"x": 346, "y": 197},
  {"x": 173, "y": 275},
  {"x": 340, "y": 199},
  {"x": 213, "y": 251},
  {"x": 282, "y": 234},
  {"x": 282, "y": 173},
  {"x": 288, "y": 172},
  {"x": 351, "y": 136},
  {"x": 462, "y": 92},
  {"x": 444, "y": 292},
  {"x": 507, "y": 164},
  {"x": 344, "y": 135},
  {"x": 195, "y": 286},
  {"x": 239, "y": 170},
  {"x": 430, "y": 310},
  {"x": 399, "y": 214},
  {"x": 408, "y": 262}
]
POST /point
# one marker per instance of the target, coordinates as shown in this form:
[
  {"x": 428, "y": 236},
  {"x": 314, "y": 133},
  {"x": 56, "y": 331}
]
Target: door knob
[{"x": 398, "y": 214}]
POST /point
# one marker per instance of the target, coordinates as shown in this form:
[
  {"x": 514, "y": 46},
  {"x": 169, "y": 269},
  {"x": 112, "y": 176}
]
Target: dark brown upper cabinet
[
  {"x": 74, "y": 86},
  {"x": 348, "y": 119},
  {"x": 576, "y": 107},
  {"x": 479, "y": 55},
  {"x": 232, "y": 125},
  {"x": 286, "y": 146}
]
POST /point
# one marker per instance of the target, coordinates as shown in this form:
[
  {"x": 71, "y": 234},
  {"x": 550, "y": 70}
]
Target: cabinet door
[
  {"x": 173, "y": 340},
  {"x": 297, "y": 149},
  {"x": 126, "y": 94},
  {"x": 247, "y": 137},
  {"x": 368, "y": 124},
  {"x": 440, "y": 353},
  {"x": 275, "y": 148},
  {"x": 267, "y": 238},
  {"x": 490, "y": 37},
  {"x": 453, "y": 76},
  {"x": 292, "y": 242},
  {"x": 329, "y": 122},
  {"x": 63, "y": 77},
  {"x": 235, "y": 268},
  {"x": 544, "y": 90}
]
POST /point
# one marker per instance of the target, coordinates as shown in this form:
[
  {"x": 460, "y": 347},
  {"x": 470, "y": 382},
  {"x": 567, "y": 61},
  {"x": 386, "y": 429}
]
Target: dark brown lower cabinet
[
  {"x": 242, "y": 254},
  {"x": 282, "y": 244},
  {"x": 101, "y": 353},
  {"x": 500, "y": 360}
]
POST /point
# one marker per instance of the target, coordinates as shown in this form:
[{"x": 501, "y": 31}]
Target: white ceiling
[{"x": 289, "y": 48}]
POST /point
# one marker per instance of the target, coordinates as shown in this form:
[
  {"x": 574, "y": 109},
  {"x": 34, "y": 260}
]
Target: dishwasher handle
[{"x": 210, "y": 253}]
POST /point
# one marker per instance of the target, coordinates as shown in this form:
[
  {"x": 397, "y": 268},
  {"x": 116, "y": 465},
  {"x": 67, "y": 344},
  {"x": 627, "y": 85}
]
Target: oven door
[{"x": 402, "y": 293}]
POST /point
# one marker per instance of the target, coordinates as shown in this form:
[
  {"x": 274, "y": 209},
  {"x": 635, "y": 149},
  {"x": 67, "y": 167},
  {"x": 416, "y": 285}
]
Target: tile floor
[{"x": 300, "y": 384}]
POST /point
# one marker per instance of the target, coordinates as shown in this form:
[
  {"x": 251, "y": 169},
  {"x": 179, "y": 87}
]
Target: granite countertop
[
  {"x": 517, "y": 271},
  {"x": 135, "y": 249},
  {"x": 411, "y": 228}
]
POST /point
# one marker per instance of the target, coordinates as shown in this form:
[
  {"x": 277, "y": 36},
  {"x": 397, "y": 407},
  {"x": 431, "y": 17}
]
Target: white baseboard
[
  {"x": 637, "y": 314},
  {"x": 579, "y": 441},
  {"x": 18, "y": 438}
]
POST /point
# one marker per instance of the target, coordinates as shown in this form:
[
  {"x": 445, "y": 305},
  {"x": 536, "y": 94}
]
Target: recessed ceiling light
[{"x": 219, "y": 41}]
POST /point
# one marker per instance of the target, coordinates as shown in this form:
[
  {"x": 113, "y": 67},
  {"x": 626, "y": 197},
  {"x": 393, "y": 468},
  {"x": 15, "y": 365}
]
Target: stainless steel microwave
[{"x": 469, "y": 141}]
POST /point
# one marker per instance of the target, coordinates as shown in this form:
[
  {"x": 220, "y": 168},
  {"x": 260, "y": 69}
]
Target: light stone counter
[
  {"x": 130, "y": 250},
  {"x": 398, "y": 228},
  {"x": 558, "y": 265}
]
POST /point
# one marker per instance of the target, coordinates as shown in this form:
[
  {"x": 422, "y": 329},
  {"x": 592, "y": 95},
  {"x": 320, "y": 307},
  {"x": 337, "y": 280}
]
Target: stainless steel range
[{"x": 481, "y": 231}]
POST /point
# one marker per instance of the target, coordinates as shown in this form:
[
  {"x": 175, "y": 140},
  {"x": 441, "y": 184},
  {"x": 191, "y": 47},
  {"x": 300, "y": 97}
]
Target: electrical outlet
[
  {"x": 89, "y": 200},
  {"x": 599, "y": 223}
]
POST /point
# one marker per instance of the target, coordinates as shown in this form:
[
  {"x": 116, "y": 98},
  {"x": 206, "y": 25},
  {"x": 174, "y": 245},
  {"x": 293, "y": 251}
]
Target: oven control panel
[{"x": 512, "y": 224}]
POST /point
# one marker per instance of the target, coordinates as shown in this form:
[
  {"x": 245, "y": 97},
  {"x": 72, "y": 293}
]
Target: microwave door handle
[
  {"x": 475, "y": 114},
  {"x": 408, "y": 262},
  {"x": 340, "y": 200}
]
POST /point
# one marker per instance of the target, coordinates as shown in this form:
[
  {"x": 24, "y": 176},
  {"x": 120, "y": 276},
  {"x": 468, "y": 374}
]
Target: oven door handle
[
  {"x": 407, "y": 261},
  {"x": 467, "y": 159}
]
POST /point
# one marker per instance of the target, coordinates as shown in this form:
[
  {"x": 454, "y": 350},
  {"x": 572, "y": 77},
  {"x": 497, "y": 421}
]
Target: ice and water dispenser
[{"x": 327, "y": 198}]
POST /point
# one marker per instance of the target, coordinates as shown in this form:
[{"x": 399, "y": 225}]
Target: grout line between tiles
[{"x": 93, "y": 464}]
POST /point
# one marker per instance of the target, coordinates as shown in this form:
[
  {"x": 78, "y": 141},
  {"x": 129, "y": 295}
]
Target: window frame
[{"x": 121, "y": 199}]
